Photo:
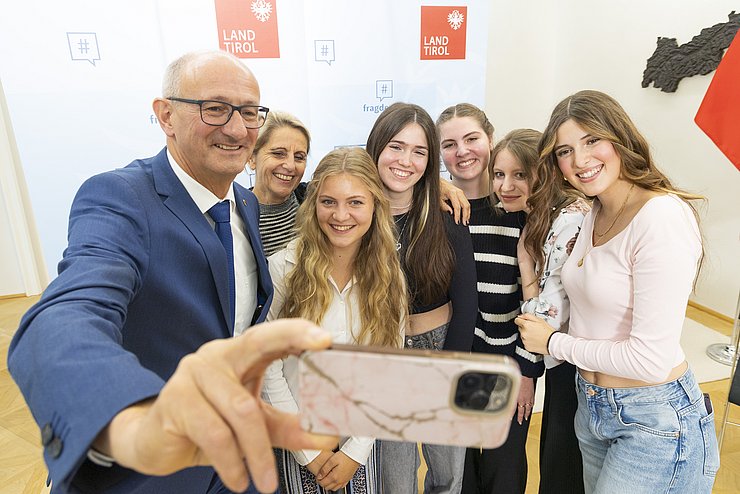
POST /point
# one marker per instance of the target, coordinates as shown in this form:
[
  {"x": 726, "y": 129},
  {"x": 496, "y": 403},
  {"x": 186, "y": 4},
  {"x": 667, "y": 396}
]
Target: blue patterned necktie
[{"x": 221, "y": 213}]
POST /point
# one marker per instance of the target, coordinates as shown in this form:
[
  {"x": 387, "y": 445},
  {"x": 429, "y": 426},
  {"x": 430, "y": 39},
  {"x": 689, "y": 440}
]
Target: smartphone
[{"x": 435, "y": 397}]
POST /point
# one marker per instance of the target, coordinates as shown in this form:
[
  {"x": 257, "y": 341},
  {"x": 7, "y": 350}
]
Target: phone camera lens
[
  {"x": 472, "y": 392},
  {"x": 478, "y": 400},
  {"x": 471, "y": 381},
  {"x": 491, "y": 381}
]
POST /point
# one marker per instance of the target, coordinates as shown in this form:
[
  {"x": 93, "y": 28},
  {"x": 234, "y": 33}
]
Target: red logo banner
[
  {"x": 443, "y": 32},
  {"x": 719, "y": 113},
  {"x": 248, "y": 28}
]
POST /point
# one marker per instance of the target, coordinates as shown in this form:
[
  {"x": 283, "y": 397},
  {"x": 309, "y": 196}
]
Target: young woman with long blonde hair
[{"x": 341, "y": 272}]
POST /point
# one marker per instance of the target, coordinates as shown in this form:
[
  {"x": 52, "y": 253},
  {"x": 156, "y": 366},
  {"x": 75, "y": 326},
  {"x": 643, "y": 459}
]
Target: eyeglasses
[{"x": 218, "y": 113}]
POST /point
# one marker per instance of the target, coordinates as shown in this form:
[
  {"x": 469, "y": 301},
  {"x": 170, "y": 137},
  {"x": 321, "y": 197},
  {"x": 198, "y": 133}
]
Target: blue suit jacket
[{"x": 143, "y": 282}]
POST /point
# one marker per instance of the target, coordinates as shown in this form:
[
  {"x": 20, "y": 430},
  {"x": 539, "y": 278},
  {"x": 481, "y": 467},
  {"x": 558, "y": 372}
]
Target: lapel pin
[{"x": 244, "y": 201}]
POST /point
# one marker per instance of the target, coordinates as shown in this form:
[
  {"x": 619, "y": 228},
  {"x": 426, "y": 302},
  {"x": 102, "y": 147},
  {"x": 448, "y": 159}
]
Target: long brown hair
[
  {"x": 377, "y": 271},
  {"x": 429, "y": 257},
  {"x": 603, "y": 117},
  {"x": 547, "y": 196}
]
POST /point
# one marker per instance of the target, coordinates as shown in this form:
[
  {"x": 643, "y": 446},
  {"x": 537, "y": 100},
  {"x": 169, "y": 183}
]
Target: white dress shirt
[{"x": 245, "y": 265}]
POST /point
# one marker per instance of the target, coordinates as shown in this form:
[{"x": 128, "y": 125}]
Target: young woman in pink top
[{"x": 642, "y": 423}]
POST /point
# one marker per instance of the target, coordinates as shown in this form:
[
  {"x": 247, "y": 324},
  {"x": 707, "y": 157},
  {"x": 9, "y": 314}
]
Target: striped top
[
  {"x": 495, "y": 236},
  {"x": 277, "y": 224}
]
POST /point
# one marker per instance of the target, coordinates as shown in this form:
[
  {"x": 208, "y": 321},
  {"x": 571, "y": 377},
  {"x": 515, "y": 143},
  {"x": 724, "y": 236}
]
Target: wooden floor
[{"x": 22, "y": 469}]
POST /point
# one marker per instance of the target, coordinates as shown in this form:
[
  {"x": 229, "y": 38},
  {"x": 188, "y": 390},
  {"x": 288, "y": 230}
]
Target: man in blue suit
[{"x": 129, "y": 362}]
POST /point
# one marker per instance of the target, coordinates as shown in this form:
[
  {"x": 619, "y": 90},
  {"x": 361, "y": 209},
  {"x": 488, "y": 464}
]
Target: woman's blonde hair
[
  {"x": 277, "y": 120},
  {"x": 377, "y": 271}
]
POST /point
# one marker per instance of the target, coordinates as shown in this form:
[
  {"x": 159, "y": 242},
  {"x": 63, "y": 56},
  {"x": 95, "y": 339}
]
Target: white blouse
[{"x": 342, "y": 320}]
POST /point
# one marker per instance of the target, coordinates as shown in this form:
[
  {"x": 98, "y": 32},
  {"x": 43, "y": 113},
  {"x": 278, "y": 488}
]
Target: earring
[{"x": 564, "y": 178}]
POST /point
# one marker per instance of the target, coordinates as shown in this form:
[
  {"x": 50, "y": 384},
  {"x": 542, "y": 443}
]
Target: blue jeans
[
  {"x": 651, "y": 439},
  {"x": 400, "y": 460},
  {"x": 401, "y": 463}
]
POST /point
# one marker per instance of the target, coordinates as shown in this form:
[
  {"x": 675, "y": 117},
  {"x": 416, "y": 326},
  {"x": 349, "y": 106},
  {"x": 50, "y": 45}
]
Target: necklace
[
  {"x": 400, "y": 235},
  {"x": 621, "y": 210},
  {"x": 619, "y": 213},
  {"x": 401, "y": 207}
]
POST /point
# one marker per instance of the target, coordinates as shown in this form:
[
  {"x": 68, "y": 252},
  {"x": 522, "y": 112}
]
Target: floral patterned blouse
[{"x": 552, "y": 305}]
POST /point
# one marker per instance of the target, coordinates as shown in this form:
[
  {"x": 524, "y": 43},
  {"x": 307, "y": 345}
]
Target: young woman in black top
[{"x": 437, "y": 258}]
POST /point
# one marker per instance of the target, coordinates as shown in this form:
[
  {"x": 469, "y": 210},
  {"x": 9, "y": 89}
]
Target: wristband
[{"x": 547, "y": 345}]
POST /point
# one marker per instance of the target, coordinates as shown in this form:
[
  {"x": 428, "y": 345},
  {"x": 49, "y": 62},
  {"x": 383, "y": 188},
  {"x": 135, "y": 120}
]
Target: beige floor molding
[{"x": 711, "y": 312}]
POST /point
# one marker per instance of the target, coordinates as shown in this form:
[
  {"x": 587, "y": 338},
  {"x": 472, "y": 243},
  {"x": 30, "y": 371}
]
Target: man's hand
[
  {"x": 210, "y": 411},
  {"x": 460, "y": 209}
]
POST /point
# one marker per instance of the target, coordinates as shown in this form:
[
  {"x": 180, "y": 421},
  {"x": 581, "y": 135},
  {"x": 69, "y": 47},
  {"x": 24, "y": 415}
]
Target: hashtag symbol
[
  {"x": 384, "y": 88},
  {"x": 324, "y": 50},
  {"x": 84, "y": 46}
]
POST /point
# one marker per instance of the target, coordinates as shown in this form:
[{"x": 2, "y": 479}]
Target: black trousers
[
  {"x": 561, "y": 467},
  {"x": 502, "y": 470}
]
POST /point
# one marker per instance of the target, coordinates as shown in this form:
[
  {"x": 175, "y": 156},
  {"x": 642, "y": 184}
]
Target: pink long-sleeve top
[{"x": 628, "y": 299}]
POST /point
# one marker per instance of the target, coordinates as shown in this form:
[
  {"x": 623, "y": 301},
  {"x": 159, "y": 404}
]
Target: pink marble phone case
[{"x": 403, "y": 395}]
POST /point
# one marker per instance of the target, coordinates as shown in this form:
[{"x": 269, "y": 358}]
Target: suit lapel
[
  {"x": 179, "y": 202},
  {"x": 247, "y": 206}
]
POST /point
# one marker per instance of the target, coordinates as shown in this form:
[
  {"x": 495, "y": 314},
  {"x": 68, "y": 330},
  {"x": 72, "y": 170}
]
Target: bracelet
[
  {"x": 547, "y": 345},
  {"x": 99, "y": 458}
]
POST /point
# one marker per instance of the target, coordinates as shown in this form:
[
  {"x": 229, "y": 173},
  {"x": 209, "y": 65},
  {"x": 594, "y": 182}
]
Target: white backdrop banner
[{"x": 80, "y": 75}]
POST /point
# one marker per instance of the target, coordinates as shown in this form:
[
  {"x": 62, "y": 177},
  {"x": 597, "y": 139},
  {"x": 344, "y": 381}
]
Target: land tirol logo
[
  {"x": 443, "y": 32},
  {"x": 248, "y": 28}
]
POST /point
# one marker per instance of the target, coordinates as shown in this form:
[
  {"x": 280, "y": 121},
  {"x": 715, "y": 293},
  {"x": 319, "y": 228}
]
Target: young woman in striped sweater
[{"x": 496, "y": 220}]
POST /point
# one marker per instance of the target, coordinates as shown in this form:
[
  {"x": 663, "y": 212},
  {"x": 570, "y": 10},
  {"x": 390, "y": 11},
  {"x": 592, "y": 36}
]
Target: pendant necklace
[
  {"x": 403, "y": 208},
  {"x": 619, "y": 213},
  {"x": 400, "y": 235}
]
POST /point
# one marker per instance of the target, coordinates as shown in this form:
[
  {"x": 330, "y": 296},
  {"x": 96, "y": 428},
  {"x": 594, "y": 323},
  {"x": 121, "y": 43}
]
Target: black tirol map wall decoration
[{"x": 670, "y": 62}]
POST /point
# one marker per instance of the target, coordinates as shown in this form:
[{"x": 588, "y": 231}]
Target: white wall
[
  {"x": 11, "y": 281},
  {"x": 542, "y": 51},
  {"x": 22, "y": 269},
  {"x": 74, "y": 118}
]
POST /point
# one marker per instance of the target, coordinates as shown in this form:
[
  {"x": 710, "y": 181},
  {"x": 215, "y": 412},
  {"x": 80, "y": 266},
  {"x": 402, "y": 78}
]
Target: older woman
[{"x": 279, "y": 160}]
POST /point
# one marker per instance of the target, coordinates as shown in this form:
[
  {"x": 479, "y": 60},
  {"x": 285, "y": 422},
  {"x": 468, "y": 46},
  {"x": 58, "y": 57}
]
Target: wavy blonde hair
[{"x": 377, "y": 270}]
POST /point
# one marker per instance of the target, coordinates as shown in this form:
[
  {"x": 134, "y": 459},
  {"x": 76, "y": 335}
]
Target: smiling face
[
  {"x": 510, "y": 183},
  {"x": 344, "y": 209},
  {"x": 589, "y": 163},
  {"x": 279, "y": 165},
  {"x": 213, "y": 156},
  {"x": 402, "y": 161},
  {"x": 465, "y": 149}
]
